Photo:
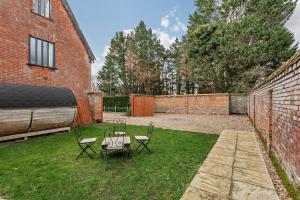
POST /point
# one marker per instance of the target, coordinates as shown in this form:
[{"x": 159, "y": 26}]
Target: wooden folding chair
[
  {"x": 145, "y": 140},
  {"x": 84, "y": 143}
]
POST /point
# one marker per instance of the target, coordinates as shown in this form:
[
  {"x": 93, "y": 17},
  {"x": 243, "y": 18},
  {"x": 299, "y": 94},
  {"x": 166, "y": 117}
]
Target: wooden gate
[{"x": 142, "y": 105}]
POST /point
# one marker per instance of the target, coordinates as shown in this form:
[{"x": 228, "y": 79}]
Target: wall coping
[
  {"x": 142, "y": 95},
  {"x": 192, "y": 95},
  {"x": 95, "y": 92}
]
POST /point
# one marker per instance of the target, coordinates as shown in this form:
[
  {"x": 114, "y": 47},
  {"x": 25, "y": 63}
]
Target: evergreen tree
[
  {"x": 133, "y": 63},
  {"x": 107, "y": 77},
  {"x": 118, "y": 45},
  {"x": 175, "y": 54},
  {"x": 233, "y": 45},
  {"x": 149, "y": 55},
  {"x": 131, "y": 66},
  {"x": 112, "y": 79}
]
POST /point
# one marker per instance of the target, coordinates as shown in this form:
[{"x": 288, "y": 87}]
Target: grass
[
  {"x": 45, "y": 167},
  {"x": 291, "y": 189}
]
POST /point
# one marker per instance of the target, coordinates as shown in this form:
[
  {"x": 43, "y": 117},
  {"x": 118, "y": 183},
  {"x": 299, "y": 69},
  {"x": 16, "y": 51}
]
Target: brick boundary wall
[
  {"x": 192, "y": 104},
  {"x": 274, "y": 108}
]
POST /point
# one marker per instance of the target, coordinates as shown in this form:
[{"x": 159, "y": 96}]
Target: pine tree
[
  {"x": 131, "y": 67},
  {"x": 107, "y": 77},
  {"x": 133, "y": 64},
  {"x": 112, "y": 78},
  {"x": 119, "y": 51},
  {"x": 149, "y": 55},
  {"x": 175, "y": 54}
]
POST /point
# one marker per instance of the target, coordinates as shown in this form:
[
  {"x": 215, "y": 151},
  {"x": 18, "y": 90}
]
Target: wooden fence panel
[
  {"x": 83, "y": 116},
  {"x": 142, "y": 105}
]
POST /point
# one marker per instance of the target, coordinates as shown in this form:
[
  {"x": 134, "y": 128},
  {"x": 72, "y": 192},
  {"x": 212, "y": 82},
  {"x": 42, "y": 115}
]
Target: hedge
[{"x": 119, "y": 101}]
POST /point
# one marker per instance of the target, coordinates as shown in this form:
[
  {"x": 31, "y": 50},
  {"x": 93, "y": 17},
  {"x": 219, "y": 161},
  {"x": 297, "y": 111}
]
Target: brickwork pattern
[
  {"x": 73, "y": 71},
  {"x": 274, "y": 109},
  {"x": 192, "y": 104}
]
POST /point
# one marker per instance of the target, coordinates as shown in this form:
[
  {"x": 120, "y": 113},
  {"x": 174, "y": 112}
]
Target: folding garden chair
[
  {"x": 114, "y": 142},
  {"x": 84, "y": 143},
  {"x": 144, "y": 140},
  {"x": 119, "y": 126}
]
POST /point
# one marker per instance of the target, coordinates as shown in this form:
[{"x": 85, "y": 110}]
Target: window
[
  {"x": 41, "y": 52},
  {"x": 42, "y": 7}
]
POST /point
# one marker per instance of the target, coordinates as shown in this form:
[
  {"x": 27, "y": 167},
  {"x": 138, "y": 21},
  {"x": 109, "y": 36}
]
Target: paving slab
[
  {"x": 248, "y": 155},
  {"x": 194, "y": 193},
  {"x": 213, "y": 184},
  {"x": 216, "y": 169},
  {"x": 234, "y": 169},
  {"x": 225, "y": 145},
  {"x": 220, "y": 159},
  {"x": 247, "y": 191},
  {"x": 254, "y": 177},
  {"x": 222, "y": 151},
  {"x": 255, "y": 165},
  {"x": 248, "y": 149}
]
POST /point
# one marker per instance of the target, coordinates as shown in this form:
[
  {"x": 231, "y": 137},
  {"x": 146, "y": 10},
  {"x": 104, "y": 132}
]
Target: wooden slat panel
[
  {"x": 142, "y": 106},
  {"x": 52, "y": 118},
  {"x": 83, "y": 113},
  {"x": 23, "y": 135},
  {"x": 14, "y": 121}
]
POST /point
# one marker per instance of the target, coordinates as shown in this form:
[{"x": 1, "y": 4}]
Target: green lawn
[{"x": 45, "y": 167}]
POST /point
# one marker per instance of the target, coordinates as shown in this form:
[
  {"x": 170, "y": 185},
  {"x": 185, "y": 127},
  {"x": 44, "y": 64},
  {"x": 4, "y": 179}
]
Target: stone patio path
[{"x": 234, "y": 169}]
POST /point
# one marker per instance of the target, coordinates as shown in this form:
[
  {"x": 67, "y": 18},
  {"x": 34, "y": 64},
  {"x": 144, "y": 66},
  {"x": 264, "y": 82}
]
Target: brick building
[{"x": 42, "y": 44}]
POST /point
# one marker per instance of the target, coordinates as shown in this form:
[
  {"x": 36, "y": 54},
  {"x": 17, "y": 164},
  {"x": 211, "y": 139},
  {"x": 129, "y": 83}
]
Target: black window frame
[
  {"x": 42, "y": 56},
  {"x": 39, "y": 8}
]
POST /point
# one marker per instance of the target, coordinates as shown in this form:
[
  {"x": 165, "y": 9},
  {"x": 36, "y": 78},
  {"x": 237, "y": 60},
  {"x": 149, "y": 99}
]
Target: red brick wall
[
  {"x": 274, "y": 108},
  {"x": 17, "y": 22},
  {"x": 170, "y": 104},
  {"x": 192, "y": 104}
]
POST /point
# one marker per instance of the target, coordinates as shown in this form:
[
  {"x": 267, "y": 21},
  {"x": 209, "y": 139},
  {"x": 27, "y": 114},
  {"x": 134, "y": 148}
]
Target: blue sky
[{"x": 101, "y": 19}]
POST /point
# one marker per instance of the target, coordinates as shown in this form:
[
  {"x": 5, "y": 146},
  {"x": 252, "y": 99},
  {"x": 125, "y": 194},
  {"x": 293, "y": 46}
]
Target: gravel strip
[
  {"x": 190, "y": 122},
  {"x": 280, "y": 189}
]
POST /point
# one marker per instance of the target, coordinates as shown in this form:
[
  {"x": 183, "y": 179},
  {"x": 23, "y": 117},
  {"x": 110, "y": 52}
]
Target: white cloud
[
  {"x": 179, "y": 26},
  {"x": 99, "y": 62},
  {"x": 127, "y": 31},
  {"x": 294, "y": 22},
  {"x": 173, "y": 11},
  {"x": 105, "y": 51},
  {"x": 165, "y": 22},
  {"x": 171, "y": 18},
  {"x": 165, "y": 39}
]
